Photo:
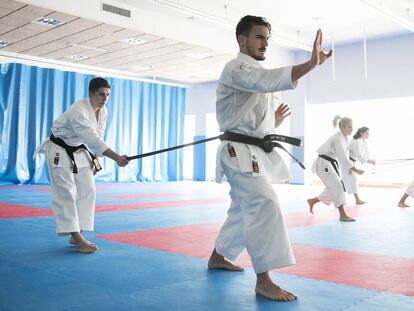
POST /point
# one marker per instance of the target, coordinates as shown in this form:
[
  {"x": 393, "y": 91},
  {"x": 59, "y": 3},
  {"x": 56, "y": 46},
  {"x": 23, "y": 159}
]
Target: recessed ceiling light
[
  {"x": 78, "y": 57},
  {"x": 4, "y": 43},
  {"x": 134, "y": 40},
  {"x": 51, "y": 22},
  {"x": 142, "y": 67}
]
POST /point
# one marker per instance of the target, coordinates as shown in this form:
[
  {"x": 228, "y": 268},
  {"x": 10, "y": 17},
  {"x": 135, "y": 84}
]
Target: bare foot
[
  {"x": 311, "y": 203},
  {"x": 86, "y": 247},
  {"x": 72, "y": 241},
  {"x": 83, "y": 245},
  {"x": 346, "y": 218},
  {"x": 403, "y": 204},
  {"x": 270, "y": 290},
  {"x": 359, "y": 202},
  {"x": 217, "y": 261}
]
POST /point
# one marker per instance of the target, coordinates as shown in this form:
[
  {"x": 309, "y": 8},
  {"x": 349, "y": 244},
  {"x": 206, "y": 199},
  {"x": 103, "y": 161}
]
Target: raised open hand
[
  {"x": 318, "y": 55},
  {"x": 281, "y": 113}
]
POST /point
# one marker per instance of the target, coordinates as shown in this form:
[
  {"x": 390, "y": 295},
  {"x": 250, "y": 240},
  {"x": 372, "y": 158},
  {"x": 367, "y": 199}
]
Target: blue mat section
[{"x": 40, "y": 271}]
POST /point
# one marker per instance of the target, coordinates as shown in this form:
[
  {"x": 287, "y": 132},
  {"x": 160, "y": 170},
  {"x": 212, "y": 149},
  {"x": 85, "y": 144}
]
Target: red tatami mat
[
  {"x": 375, "y": 272},
  {"x": 18, "y": 211}
]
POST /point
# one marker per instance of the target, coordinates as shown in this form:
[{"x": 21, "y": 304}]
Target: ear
[{"x": 241, "y": 39}]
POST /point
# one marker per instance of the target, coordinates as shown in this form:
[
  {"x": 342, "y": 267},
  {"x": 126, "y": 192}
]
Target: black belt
[
  {"x": 71, "y": 149},
  {"x": 334, "y": 164},
  {"x": 266, "y": 143}
]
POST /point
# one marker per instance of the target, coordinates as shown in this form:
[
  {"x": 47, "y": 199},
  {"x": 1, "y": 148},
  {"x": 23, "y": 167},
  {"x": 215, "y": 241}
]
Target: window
[{"x": 391, "y": 127}]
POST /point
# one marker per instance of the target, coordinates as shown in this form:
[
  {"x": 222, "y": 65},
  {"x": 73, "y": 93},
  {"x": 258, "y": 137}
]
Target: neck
[{"x": 94, "y": 106}]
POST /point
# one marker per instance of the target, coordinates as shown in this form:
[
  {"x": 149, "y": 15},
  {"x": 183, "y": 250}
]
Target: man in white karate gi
[
  {"x": 244, "y": 105},
  {"x": 72, "y": 177}
]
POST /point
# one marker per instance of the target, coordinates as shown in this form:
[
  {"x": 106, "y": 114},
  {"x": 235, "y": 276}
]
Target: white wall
[
  {"x": 390, "y": 67},
  {"x": 201, "y": 100}
]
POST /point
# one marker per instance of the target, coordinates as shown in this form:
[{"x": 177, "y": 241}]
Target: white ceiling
[{"x": 178, "y": 33}]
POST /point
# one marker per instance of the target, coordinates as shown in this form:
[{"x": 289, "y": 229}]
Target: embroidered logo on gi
[
  {"x": 231, "y": 151},
  {"x": 255, "y": 166},
  {"x": 245, "y": 67},
  {"x": 56, "y": 159}
]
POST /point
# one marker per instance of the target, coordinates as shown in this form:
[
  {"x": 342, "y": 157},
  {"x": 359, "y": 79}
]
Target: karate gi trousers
[
  {"x": 350, "y": 181},
  {"x": 254, "y": 221},
  {"x": 334, "y": 191},
  {"x": 410, "y": 189},
  {"x": 73, "y": 195}
]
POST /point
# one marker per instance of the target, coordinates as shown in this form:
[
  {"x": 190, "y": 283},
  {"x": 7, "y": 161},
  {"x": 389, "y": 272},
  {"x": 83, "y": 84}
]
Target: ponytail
[
  {"x": 341, "y": 122},
  {"x": 336, "y": 120}
]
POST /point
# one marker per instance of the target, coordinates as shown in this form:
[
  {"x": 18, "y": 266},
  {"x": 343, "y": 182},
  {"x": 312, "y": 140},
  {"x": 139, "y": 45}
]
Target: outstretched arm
[
  {"x": 120, "y": 160},
  {"x": 318, "y": 58}
]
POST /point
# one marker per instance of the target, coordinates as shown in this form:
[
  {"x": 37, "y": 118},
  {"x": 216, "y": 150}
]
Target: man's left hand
[
  {"x": 318, "y": 55},
  {"x": 281, "y": 113}
]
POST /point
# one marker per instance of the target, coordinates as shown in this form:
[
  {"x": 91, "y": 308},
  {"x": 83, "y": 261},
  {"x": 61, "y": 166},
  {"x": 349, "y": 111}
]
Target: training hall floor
[{"x": 154, "y": 240}]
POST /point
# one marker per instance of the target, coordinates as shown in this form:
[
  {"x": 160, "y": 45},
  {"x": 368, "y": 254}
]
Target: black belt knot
[
  {"x": 70, "y": 150},
  {"x": 266, "y": 143},
  {"x": 335, "y": 165}
]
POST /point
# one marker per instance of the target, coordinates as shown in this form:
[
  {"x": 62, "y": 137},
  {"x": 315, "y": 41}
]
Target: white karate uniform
[
  {"x": 73, "y": 195},
  {"x": 336, "y": 147},
  {"x": 358, "y": 150},
  {"x": 410, "y": 189},
  {"x": 254, "y": 219}
]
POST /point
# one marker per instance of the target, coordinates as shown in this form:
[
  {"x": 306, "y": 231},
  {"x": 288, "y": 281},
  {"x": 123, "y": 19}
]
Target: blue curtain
[{"x": 142, "y": 117}]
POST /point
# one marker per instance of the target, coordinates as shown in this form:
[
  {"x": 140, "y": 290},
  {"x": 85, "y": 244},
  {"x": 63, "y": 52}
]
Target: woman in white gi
[
  {"x": 358, "y": 152},
  {"x": 244, "y": 106},
  {"x": 72, "y": 179},
  {"x": 326, "y": 167},
  {"x": 408, "y": 192}
]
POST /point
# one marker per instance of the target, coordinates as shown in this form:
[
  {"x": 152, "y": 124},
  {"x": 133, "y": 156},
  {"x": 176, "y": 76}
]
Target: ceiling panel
[{"x": 164, "y": 57}]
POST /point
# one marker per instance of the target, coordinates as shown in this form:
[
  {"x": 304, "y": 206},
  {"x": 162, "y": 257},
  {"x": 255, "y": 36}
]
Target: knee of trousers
[{"x": 268, "y": 204}]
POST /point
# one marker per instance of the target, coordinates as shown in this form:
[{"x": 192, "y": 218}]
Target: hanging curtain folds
[{"x": 142, "y": 117}]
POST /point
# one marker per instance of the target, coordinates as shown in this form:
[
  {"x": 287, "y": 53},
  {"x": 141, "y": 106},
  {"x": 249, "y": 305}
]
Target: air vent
[{"x": 115, "y": 10}]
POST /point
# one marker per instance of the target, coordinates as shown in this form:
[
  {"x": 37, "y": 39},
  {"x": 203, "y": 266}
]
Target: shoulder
[{"x": 80, "y": 107}]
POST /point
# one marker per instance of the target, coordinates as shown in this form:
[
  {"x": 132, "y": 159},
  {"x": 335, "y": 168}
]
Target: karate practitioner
[
  {"x": 358, "y": 152},
  {"x": 245, "y": 106},
  {"x": 408, "y": 192},
  {"x": 72, "y": 178},
  {"x": 326, "y": 167}
]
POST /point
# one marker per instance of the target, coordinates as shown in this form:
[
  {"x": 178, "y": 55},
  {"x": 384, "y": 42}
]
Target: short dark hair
[
  {"x": 360, "y": 131},
  {"x": 96, "y": 83},
  {"x": 246, "y": 23}
]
